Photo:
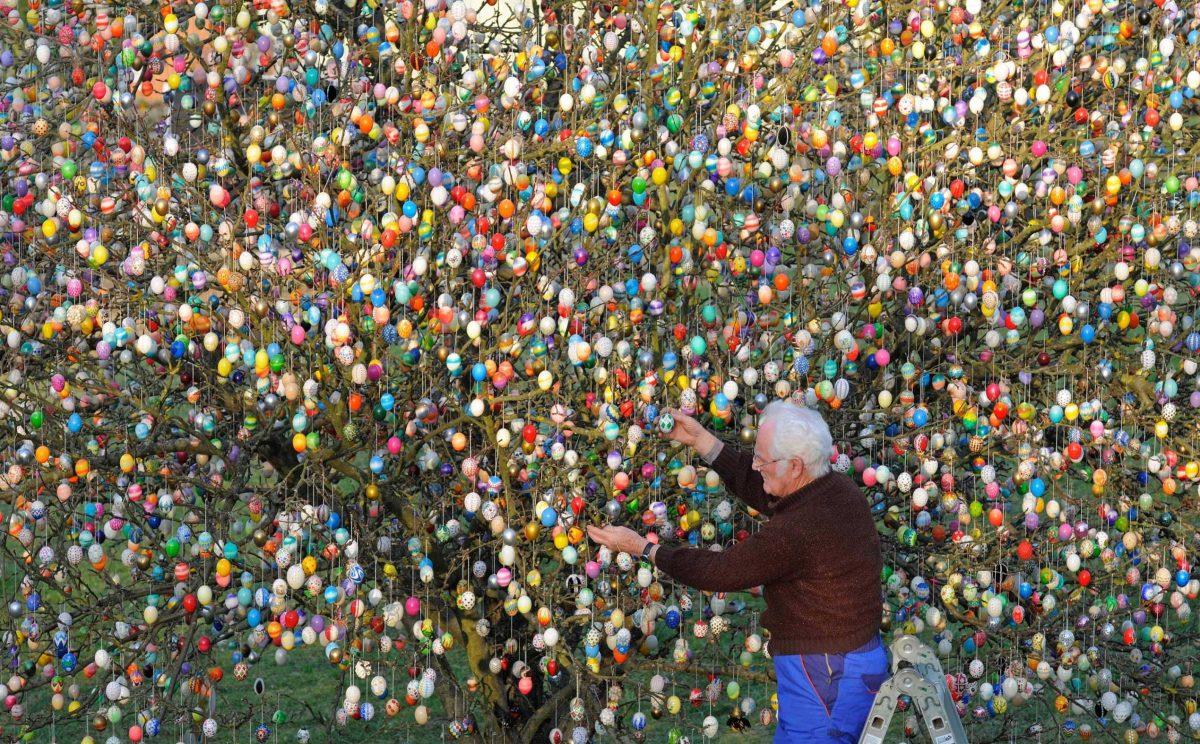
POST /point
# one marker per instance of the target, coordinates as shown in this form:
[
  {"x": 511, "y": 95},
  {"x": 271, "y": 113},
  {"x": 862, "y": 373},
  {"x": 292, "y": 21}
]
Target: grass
[{"x": 307, "y": 686}]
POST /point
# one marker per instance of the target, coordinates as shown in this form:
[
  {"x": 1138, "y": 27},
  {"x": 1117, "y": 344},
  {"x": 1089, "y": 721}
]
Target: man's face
[{"x": 779, "y": 476}]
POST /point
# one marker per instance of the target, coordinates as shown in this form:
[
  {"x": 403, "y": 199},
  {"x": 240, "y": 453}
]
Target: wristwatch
[{"x": 646, "y": 551}]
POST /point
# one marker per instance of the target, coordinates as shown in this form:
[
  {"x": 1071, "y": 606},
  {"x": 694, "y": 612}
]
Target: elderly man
[{"x": 817, "y": 559}]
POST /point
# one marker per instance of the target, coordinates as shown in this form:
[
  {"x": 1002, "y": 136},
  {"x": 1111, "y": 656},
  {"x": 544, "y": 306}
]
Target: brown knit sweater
[{"x": 817, "y": 559}]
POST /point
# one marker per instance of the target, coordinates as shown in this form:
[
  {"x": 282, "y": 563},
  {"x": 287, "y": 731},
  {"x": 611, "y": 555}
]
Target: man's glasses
[{"x": 760, "y": 463}]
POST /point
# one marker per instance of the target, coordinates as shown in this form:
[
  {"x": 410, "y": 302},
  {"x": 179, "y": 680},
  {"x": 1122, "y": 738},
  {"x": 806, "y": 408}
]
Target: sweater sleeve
[
  {"x": 762, "y": 558},
  {"x": 734, "y": 467}
]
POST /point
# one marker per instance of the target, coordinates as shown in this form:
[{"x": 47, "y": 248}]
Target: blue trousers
[{"x": 825, "y": 698}]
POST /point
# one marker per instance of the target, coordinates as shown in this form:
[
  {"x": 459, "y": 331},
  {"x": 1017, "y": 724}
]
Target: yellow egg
[{"x": 99, "y": 256}]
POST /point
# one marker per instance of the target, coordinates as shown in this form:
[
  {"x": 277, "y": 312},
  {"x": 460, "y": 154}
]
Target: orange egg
[{"x": 829, "y": 44}]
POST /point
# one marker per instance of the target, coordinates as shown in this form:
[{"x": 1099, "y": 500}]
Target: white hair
[{"x": 799, "y": 433}]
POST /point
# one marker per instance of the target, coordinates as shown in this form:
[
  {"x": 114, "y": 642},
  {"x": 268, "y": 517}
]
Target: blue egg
[{"x": 549, "y": 517}]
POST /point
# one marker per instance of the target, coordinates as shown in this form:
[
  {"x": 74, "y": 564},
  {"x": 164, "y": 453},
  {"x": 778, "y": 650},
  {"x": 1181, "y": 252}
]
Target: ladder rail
[{"x": 917, "y": 674}]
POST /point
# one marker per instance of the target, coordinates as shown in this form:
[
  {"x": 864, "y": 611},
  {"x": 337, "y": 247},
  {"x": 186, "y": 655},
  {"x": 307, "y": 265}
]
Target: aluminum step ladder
[{"x": 916, "y": 673}]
